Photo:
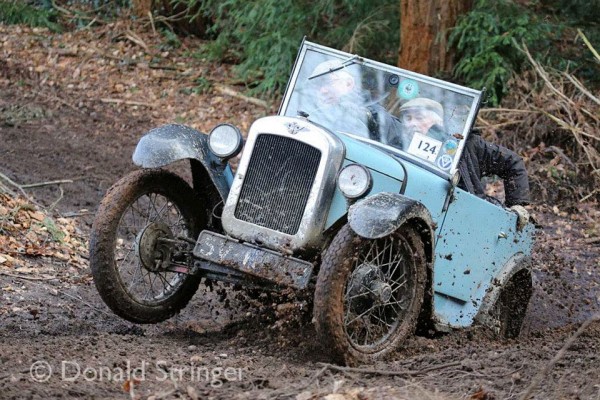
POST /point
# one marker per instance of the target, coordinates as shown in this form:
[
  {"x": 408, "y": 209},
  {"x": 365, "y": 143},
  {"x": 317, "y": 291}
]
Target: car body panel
[
  {"x": 173, "y": 142},
  {"x": 372, "y": 157},
  {"x": 383, "y": 213},
  {"x": 429, "y": 189},
  {"x": 476, "y": 241}
]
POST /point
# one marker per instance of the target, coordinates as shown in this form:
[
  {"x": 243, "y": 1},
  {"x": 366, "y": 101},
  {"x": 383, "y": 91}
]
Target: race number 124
[{"x": 424, "y": 147}]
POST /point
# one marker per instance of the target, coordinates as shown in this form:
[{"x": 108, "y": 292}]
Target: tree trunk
[
  {"x": 424, "y": 29},
  {"x": 141, "y": 8}
]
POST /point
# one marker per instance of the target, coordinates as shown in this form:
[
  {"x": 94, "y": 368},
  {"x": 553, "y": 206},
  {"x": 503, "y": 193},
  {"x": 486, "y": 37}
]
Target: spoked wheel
[
  {"x": 369, "y": 293},
  {"x": 136, "y": 246}
]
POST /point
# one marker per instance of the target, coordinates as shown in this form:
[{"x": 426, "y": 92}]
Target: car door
[{"x": 475, "y": 241}]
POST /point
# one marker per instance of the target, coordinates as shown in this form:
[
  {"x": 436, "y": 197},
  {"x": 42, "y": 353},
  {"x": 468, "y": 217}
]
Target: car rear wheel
[
  {"x": 511, "y": 307},
  {"x": 369, "y": 294}
]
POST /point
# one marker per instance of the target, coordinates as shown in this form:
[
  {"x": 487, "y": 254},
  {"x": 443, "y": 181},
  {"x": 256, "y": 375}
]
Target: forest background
[{"x": 536, "y": 58}]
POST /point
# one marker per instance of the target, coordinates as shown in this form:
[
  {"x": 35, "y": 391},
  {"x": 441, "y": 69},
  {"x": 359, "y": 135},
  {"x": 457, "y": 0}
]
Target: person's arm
[
  {"x": 508, "y": 165},
  {"x": 384, "y": 127}
]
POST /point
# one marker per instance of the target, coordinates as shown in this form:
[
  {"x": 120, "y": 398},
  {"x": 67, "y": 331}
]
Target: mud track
[{"x": 225, "y": 345}]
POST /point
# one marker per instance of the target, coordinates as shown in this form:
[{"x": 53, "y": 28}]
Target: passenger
[
  {"x": 480, "y": 158},
  {"x": 424, "y": 116}
]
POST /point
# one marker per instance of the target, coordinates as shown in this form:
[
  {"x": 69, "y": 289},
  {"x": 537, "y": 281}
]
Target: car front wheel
[
  {"x": 136, "y": 241},
  {"x": 369, "y": 293}
]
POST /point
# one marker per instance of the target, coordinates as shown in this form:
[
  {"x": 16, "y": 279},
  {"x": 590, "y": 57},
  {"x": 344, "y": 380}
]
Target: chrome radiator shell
[{"x": 267, "y": 176}]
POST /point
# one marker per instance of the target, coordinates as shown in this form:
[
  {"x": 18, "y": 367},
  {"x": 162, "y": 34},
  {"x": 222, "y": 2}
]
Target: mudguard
[
  {"x": 381, "y": 214},
  {"x": 173, "y": 142},
  {"x": 514, "y": 265}
]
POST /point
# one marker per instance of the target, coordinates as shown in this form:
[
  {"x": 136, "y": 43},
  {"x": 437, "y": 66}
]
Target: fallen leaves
[
  {"x": 130, "y": 384},
  {"x": 27, "y": 233},
  {"x": 129, "y": 66},
  {"x": 482, "y": 394}
]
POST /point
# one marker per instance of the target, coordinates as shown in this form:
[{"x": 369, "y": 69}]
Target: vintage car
[{"x": 335, "y": 195}]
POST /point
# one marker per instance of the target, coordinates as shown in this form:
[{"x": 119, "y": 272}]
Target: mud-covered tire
[
  {"x": 348, "y": 275},
  {"x": 511, "y": 307},
  {"x": 115, "y": 240}
]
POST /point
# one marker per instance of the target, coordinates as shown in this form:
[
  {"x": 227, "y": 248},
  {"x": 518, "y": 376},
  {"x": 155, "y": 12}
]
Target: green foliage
[
  {"x": 263, "y": 36},
  {"x": 575, "y": 14},
  {"x": 170, "y": 40},
  {"x": 203, "y": 85},
  {"x": 582, "y": 12},
  {"x": 20, "y": 12},
  {"x": 485, "y": 40},
  {"x": 55, "y": 233}
]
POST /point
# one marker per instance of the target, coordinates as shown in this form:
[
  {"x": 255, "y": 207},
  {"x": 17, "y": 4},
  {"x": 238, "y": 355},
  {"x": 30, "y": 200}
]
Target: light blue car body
[
  {"x": 476, "y": 246},
  {"x": 475, "y": 240}
]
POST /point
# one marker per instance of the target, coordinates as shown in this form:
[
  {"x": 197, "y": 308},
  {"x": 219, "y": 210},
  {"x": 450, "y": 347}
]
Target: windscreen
[{"x": 423, "y": 119}]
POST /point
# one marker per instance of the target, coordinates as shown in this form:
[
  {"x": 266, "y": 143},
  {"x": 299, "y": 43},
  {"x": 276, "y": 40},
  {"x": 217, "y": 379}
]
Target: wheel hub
[
  {"x": 383, "y": 291},
  {"x": 154, "y": 254},
  {"x": 368, "y": 286}
]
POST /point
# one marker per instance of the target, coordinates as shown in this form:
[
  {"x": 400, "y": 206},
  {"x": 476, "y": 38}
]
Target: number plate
[
  {"x": 424, "y": 147},
  {"x": 253, "y": 260}
]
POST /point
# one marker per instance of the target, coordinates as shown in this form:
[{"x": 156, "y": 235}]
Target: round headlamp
[
  {"x": 354, "y": 181},
  {"x": 225, "y": 140}
]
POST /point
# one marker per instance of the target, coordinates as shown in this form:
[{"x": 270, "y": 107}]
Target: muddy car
[{"x": 337, "y": 195}]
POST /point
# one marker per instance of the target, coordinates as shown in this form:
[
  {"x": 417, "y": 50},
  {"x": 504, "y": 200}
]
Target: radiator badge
[{"x": 294, "y": 128}]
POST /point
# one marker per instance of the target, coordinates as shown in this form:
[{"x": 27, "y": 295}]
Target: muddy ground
[{"x": 72, "y": 107}]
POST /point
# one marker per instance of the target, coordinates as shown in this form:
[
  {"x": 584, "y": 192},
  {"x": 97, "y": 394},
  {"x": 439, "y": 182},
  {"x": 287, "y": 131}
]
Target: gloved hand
[{"x": 523, "y": 215}]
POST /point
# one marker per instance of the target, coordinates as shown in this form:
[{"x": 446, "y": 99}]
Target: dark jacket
[{"x": 481, "y": 158}]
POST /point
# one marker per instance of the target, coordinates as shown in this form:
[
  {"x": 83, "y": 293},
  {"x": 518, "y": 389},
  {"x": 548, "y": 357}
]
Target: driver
[
  {"x": 333, "y": 87},
  {"x": 338, "y": 102},
  {"x": 342, "y": 105}
]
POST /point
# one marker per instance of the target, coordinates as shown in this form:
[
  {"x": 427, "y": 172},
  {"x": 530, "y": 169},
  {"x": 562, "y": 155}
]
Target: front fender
[
  {"x": 381, "y": 214},
  {"x": 173, "y": 142}
]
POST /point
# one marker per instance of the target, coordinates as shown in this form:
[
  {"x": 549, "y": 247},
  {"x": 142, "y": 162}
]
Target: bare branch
[
  {"x": 229, "y": 91},
  {"x": 589, "y": 45},
  {"x": 388, "y": 372},
  {"x": 127, "y": 102}
]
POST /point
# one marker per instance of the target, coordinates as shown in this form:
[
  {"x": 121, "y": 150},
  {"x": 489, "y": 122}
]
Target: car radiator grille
[{"x": 278, "y": 181}]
